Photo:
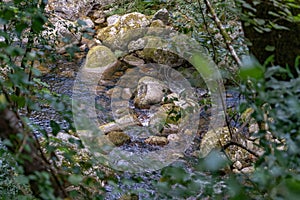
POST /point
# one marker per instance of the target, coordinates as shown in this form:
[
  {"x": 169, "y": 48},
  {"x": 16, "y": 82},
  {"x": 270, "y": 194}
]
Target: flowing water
[{"x": 139, "y": 183}]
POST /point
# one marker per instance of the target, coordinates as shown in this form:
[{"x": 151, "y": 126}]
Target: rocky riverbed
[{"x": 146, "y": 95}]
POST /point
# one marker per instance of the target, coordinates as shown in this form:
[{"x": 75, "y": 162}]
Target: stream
[{"x": 142, "y": 184}]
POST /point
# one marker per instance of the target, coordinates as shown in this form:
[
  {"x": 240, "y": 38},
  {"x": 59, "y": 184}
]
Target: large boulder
[
  {"x": 102, "y": 60},
  {"x": 156, "y": 49},
  {"x": 150, "y": 91},
  {"x": 117, "y": 34}
]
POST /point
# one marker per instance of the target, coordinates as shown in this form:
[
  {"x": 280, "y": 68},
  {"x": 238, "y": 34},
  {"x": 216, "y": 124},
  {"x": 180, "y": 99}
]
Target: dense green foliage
[
  {"x": 274, "y": 102},
  {"x": 24, "y": 44}
]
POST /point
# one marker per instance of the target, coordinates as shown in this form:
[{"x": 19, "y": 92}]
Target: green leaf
[
  {"x": 3, "y": 102},
  {"x": 38, "y": 22},
  {"x": 8, "y": 14},
  {"x": 20, "y": 27},
  {"x": 278, "y": 27},
  {"x": 260, "y": 21},
  {"x": 55, "y": 127},
  {"x": 20, "y": 100},
  {"x": 269, "y": 48},
  {"x": 14, "y": 51},
  {"x": 215, "y": 161},
  {"x": 75, "y": 179},
  {"x": 251, "y": 69},
  {"x": 20, "y": 179}
]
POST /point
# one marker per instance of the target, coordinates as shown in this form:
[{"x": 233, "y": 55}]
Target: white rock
[
  {"x": 238, "y": 165},
  {"x": 173, "y": 137},
  {"x": 112, "y": 20}
]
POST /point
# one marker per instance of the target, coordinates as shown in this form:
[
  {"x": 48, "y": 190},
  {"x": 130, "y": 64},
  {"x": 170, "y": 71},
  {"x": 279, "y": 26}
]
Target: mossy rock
[
  {"x": 129, "y": 197},
  {"x": 212, "y": 140},
  {"x": 157, "y": 140},
  {"x": 156, "y": 50},
  {"x": 101, "y": 59},
  {"x": 127, "y": 28},
  {"x": 118, "y": 138}
]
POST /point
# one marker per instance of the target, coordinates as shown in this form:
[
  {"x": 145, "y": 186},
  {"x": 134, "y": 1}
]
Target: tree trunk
[
  {"x": 30, "y": 158},
  {"x": 283, "y": 44}
]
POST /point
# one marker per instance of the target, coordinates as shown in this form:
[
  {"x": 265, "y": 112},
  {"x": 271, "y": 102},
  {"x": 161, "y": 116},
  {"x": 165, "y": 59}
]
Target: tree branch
[
  {"x": 223, "y": 32},
  {"x": 231, "y": 143}
]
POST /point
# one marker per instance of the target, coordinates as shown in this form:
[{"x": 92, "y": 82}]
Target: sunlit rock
[
  {"x": 101, "y": 59},
  {"x": 119, "y": 32},
  {"x": 156, "y": 140},
  {"x": 134, "y": 20},
  {"x": 119, "y": 124},
  {"x": 150, "y": 91},
  {"x": 113, "y": 20},
  {"x": 138, "y": 44}
]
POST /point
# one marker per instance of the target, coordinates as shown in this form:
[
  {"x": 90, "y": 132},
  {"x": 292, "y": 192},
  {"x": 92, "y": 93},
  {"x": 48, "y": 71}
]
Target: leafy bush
[
  {"x": 22, "y": 43},
  {"x": 11, "y": 186},
  {"x": 276, "y": 107}
]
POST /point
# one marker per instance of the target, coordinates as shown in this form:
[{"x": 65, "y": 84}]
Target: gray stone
[
  {"x": 89, "y": 24},
  {"x": 163, "y": 15},
  {"x": 150, "y": 91},
  {"x": 74, "y": 9},
  {"x": 136, "y": 45},
  {"x": 134, "y": 61},
  {"x": 173, "y": 137}
]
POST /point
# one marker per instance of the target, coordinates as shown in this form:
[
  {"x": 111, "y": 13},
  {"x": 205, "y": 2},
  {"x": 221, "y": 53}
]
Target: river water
[{"x": 142, "y": 184}]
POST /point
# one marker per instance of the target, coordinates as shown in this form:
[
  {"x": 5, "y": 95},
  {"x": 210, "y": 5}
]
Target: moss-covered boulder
[
  {"x": 102, "y": 60},
  {"x": 156, "y": 50}
]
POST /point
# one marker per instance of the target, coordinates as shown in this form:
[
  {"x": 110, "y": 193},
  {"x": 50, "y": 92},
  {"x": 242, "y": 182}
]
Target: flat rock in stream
[{"x": 121, "y": 123}]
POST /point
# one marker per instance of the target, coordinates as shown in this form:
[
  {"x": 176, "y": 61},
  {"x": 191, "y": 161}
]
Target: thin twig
[
  {"x": 223, "y": 32},
  {"x": 208, "y": 32},
  {"x": 231, "y": 143}
]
